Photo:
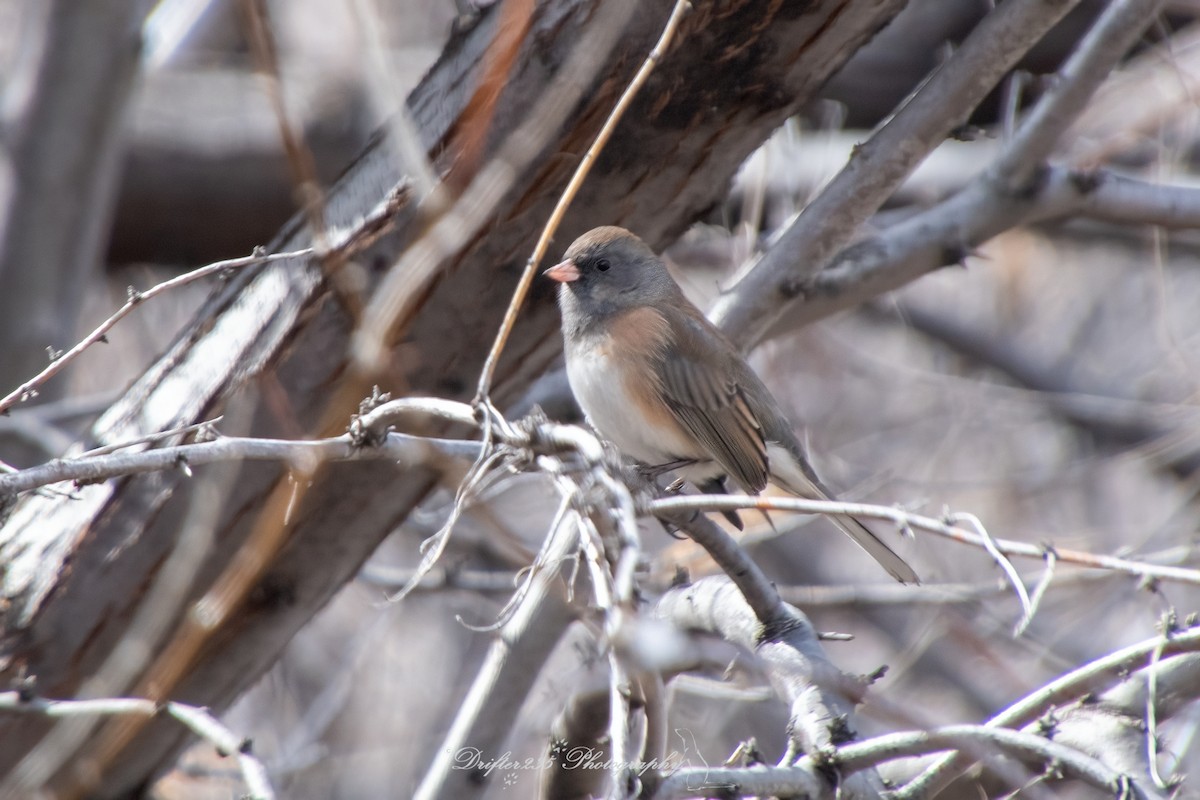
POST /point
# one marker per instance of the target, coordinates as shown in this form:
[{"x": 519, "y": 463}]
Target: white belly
[{"x": 598, "y": 385}]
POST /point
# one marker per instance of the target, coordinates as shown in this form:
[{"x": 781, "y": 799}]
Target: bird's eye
[{"x": 602, "y": 265}]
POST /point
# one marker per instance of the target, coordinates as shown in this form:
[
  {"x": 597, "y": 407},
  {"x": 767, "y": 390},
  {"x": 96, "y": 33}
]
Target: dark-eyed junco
[{"x": 664, "y": 385}]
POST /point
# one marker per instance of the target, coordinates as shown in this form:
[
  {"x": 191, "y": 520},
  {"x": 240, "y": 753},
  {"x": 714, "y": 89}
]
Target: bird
[{"x": 669, "y": 389}]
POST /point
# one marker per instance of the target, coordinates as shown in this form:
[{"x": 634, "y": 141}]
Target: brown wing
[{"x": 713, "y": 408}]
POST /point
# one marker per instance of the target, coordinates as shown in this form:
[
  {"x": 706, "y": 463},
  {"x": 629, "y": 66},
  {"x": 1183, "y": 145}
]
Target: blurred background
[{"x": 1047, "y": 386}]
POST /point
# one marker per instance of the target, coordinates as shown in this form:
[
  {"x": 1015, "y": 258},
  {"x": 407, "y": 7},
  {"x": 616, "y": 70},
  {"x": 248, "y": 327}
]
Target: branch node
[
  {"x": 1047, "y": 724},
  {"x": 795, "y": 288},
  {"x": 840, "y": 731},
  {"x": 361, "y": 434},
  {"x": 1086, "y": 181},
  {"x": 825, "y": 764},
  {"x": 957, "y": 253},
  {"x": 969, "y": 133},
  {"x": 206, "y": 433},
  {"x": 875, "y": 675},
  {"x": 1149, "y": 583},
  {"x": 79, "y": 483},
  {"x": 681, "y": 577},
  {"x": 1031, "y": 188},
  {"x": 26, "y": 687},
  {"x": 777, "y": 628},
  {"x": 746, "y": 754}
]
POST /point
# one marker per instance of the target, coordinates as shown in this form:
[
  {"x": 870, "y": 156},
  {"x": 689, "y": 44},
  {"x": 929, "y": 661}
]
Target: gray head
[{"x": 606, "y": 271}]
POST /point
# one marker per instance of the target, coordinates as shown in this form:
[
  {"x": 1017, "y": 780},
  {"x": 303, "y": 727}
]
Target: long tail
[
  {"x": 794, "y": 474},
  {"x": 865, "y": 538}
]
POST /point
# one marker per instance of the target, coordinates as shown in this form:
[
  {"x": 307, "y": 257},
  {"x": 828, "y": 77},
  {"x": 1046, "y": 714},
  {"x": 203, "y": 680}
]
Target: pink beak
[{"x": 564, "y": 272}]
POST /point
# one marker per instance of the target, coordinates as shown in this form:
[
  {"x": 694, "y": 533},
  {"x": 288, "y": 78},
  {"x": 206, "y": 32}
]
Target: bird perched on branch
[{"x": 664, "y": 385}]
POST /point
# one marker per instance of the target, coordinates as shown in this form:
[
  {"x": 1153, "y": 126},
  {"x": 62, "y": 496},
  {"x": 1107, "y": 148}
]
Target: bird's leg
[
  {"x": 653, "y": 472},
  {"x": 674, "y": 487}
]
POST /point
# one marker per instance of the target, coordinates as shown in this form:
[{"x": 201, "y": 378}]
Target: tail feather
[
  {"x": 717, "y": 486},
  {"x": 865, "y": 538},
  {"x": 794, "y": 474}
]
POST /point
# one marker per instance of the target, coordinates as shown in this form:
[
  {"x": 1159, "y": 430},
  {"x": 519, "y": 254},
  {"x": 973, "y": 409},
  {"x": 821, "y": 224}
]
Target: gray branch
[
  {"x": 69, "y": 95},
  {"x": 821, "y": 697},
  {"x": 880, "y": 166}
]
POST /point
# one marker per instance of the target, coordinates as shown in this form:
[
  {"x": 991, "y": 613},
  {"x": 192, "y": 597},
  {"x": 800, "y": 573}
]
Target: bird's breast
[{"x": 614, "y": 376}]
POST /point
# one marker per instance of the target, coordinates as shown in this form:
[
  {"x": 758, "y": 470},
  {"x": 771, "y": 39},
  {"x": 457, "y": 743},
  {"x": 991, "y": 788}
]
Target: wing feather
[{"x": 713, "y": 409}]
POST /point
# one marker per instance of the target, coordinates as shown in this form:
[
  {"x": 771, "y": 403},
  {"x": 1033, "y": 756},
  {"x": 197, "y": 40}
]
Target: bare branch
[
  {"x": 1117, "y": 30},
  {"x": 947, "y": 233},
  {"x": 198, "y": 720},
  {"x": 65, "y": 100},
  {"x": 1087, "y": 679},
  {"x": 806, "y": 776},
  {"x": 387, "y": 93},
  {"x": 760, "y": 594},
  {"x": 877, "y": 168},
  {"x": 346, "y": 243},
  {"x": 778, "y": 295},
  {"x": 513, "y": 661},
  {"x": 393, "y": 302},
  {"x": 568, "y": 194},
  {"x": 410, "y": 450},
  {"x": 907, "y": 520},
  {"x": 276, "y": 327},
  {"x": 821, "y": 697}
]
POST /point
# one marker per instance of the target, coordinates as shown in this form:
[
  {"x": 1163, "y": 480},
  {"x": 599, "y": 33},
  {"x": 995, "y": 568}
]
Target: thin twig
[
  {"x": 1038, "y": 593},
  {"x": 385, "y": 86},
  {"x": 619, "y": 711},
  {"x": 394, "y": 300},
  {"x": 197, "y": 720},
  {"x": 568, "y": 194},
  {"x": 515, "y": 655},
  {"x": 1089, "y": 65},
  {"x": 152, "y": 438},
  {"x": 407, "y": 449},
  {"x": 1006, "y": 566},
  {"x": 1087, "y": 679},
  {"x": 806, "y": 778},
  {"x": 441, "y": 579},
  {"x": 902, "y": 519},
  {"x": 1168, "y": 625},
  {"x": 881, "y": 165},
  {"x": 433, "y": 547},
  {"x": 164, "y": 598},
  {"x": 299, "y": 157},
  {"x": 29, "y": 388}
]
